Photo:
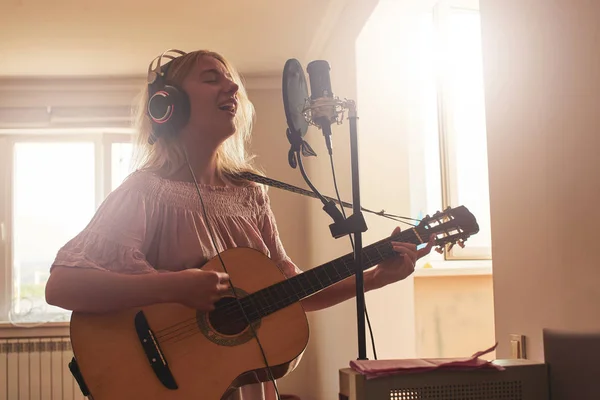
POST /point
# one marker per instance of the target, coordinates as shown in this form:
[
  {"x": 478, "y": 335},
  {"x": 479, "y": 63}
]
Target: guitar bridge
[{"x": 153, "y": 352}]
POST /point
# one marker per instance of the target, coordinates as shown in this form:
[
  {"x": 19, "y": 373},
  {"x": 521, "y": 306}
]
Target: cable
[
  {"x": 281, "y": 185},
  {"x": 337, "y": 192},
  {"x": 214, "y": 243},
  {"x": 334, "y": 212},
  {"x": 328, "y": 205}
]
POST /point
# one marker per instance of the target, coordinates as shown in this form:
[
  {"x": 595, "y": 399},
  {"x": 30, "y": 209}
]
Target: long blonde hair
[{"x": 167, "y": 153}]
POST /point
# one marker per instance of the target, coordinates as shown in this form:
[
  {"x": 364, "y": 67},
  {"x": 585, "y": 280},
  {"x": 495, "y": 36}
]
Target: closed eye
[{"x": 211, "y": 75}]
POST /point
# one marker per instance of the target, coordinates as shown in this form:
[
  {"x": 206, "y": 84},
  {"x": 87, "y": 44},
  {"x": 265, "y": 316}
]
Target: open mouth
[{"x": 230, "y": 108}]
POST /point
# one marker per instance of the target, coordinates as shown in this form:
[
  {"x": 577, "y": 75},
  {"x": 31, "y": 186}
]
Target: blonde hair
[{"x": 167, "y": 153}]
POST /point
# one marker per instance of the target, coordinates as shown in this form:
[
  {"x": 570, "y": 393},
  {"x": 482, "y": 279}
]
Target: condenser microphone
[{"x": 322, "y": 103}]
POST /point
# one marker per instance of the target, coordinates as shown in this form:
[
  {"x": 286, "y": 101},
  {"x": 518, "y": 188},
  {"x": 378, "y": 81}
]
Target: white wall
[
  {"x": 454, "y": 315},
  {"x": 542, "y": 76}
]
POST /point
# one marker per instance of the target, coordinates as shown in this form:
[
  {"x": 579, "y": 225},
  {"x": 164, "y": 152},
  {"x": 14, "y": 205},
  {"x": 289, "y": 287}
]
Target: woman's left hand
[{"x": 402, "y": 264}]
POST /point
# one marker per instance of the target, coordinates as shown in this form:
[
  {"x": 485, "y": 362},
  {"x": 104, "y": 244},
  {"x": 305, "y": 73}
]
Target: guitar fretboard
[
  {"x": 451, "y": 226},
  {"x": 296, "y": 288}
]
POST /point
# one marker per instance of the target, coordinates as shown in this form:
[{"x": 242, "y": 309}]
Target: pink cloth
[
  {"x": 150, "y": 223},
  {"x": 381, "y": 368}
]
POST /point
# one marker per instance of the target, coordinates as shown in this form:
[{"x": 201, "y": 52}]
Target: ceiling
[{"x": 120, "y": 37}]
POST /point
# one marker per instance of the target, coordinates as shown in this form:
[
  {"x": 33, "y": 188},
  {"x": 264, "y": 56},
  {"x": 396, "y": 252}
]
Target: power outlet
[{"x": 517, "y": 346}]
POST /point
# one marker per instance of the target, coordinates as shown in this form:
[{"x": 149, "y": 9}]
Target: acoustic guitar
[{"x": 172, "y": 352}]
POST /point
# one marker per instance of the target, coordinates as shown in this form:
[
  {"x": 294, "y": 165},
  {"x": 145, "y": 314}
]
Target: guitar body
[
  {"x": 202, "y": 361},
  {"x": 172, "y": 352}
]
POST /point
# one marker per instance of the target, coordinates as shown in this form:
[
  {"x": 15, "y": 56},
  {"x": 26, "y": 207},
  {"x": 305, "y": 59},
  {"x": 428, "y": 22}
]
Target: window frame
[
  {"x": 448, "y": 179},
  {"x": 102, "y": 139}
]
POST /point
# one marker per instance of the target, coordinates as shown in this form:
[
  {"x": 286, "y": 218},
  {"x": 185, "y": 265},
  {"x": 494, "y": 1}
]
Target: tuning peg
[
  {"x": 461, "y": 243},
  {"x": 439, "y": 249}
]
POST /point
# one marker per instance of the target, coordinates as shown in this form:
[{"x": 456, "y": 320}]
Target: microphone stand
[
  {"x": 357, "y": 213},
  {"x": 354, "y": 224}
]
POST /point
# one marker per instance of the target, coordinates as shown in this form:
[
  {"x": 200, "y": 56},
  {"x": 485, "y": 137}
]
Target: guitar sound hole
[{"x": 227, "y": 318}]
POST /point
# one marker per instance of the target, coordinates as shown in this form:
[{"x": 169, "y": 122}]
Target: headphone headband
[{"x": 160, "y": 70}]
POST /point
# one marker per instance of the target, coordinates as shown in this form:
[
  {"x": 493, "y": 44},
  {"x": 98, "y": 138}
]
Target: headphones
[{"x": 168, "y": 105}]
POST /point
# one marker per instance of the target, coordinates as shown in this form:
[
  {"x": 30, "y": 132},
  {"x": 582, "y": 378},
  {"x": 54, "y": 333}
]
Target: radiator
[{"x": 37, "y": 369}]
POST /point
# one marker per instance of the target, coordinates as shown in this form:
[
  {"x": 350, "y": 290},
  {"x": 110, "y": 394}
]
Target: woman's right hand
[{"x": 200, "y": 289}]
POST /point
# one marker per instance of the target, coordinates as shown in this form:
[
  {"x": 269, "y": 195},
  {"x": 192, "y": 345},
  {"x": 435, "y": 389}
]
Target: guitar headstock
[{"x": 451, "y": 226}]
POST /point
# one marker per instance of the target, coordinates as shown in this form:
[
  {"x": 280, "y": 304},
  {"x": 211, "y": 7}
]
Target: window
[
  {"x": 52, "y": 185},
  {"x": 420, "y": 88},
  {"x": 461, "y": 122}
]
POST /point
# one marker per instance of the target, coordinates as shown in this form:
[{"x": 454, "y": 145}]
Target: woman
[{"x": 155, "y": 222}]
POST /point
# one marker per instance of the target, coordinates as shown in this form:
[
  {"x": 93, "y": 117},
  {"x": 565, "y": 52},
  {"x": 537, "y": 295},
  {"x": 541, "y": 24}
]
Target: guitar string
[
  {"x": 382, "y": 248},
  {"x": 254, "y": 314},
  {"x": 184, "y": 326},
  {"x": 257, "y": 312},
  {"x": 192, "y": 329},
  {"x": 190, "y": 326},
  {"x": 349, "y": 269}
]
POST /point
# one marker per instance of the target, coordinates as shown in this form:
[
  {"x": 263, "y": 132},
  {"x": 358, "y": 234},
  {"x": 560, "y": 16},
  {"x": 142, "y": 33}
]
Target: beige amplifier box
[{"x": 521, "y": 380}]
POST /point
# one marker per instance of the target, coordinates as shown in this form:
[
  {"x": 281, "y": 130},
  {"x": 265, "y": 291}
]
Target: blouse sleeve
[
  {"x": 113, "y": 239},
  {"x": 272, "y": 240}
]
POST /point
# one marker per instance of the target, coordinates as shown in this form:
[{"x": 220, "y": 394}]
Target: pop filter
[{"x": 295, "y": 93}]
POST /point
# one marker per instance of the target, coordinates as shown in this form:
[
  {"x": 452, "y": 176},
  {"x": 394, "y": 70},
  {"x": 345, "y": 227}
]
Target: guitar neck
[{"x": 273, "y": 298}]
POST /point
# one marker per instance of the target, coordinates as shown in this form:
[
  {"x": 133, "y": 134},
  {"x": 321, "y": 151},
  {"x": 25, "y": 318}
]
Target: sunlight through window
[
  {"x": 53, "y": 199},
  {"x": 54, "y": 186},
  {"x": 420, "y": 78}
]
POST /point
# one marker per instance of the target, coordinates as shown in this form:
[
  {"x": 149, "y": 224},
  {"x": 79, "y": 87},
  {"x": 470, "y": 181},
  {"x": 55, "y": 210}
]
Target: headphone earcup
[{"x": 169, "y": 110}]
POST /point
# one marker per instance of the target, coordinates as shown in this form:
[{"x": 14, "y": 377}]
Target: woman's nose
[{"x": 232, "y": 87}]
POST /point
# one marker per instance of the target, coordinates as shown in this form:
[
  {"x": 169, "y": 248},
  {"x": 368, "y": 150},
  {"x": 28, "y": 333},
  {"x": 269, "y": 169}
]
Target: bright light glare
[
  {"x": 53, "y": 199},
  {"x": 411, "y": 68}
]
